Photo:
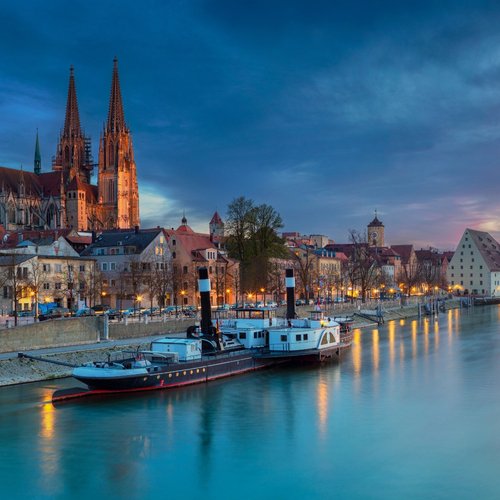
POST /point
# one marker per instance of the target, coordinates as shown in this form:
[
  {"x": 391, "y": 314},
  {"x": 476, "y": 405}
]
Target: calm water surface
[{"x": 412, "y": 411}]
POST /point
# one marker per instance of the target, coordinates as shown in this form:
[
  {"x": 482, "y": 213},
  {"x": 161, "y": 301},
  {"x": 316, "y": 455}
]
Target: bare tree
[
  {"x": 14, "y": 279},
  {"x": 304, "y": 259},
  {"x": 365, "y": 271},
  {"x": 36, "y": 277}
]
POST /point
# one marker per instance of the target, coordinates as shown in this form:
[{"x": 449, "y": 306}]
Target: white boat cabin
[
  {"x": 316, "y": 332},
  {"x": 250, "y": 326},
  {"x": 186, "y": 349}
]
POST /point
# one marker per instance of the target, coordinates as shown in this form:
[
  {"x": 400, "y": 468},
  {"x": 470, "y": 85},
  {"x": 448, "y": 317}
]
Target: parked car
[
  {"x": 56, "y": 313},
  {"x": 112, "y": 313},
  {"x": 300, "y": 302},
  {"x": 23, "y": 314},
  {"x": 99, "y": 309},
  {"x": 272, "y": 304},
  {"x": 86, "y": 311}
]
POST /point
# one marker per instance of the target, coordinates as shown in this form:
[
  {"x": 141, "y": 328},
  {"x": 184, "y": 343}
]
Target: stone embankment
[{"x": 16, "y": 371}]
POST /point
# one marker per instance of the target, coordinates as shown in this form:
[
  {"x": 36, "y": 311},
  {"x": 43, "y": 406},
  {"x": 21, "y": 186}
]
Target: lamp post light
[
  {"x": 137, "y": 303},
  {"x": 228, "y": 291},
  {"x": 263, "y": 292},
  {"x": 183, "y": 292}
]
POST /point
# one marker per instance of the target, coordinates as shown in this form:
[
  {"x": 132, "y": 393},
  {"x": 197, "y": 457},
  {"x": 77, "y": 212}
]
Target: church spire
[
  {"x": 116, "y": 119},
  {"x": 72, "y": 119},
  {"x": 38, "y": 157}
]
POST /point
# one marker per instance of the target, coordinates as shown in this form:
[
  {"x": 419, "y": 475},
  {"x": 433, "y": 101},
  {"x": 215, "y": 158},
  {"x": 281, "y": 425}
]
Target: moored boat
[
  {"x": 207, "y": 354},
  {"x": 314, "y": 339}
]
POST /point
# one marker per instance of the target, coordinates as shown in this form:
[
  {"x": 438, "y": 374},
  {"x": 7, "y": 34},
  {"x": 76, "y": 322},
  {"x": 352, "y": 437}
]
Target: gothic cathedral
[{"x": 65, "y": 197}]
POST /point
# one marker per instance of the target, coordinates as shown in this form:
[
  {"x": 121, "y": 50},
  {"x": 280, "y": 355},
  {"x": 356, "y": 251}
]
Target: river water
[{"x": 412, "y": 411}]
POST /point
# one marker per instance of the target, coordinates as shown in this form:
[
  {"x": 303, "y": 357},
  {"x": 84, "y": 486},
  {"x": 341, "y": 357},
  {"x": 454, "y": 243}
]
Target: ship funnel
[
  {"x": 206, "y": 310},
  {"x": 290, "y": 294}
]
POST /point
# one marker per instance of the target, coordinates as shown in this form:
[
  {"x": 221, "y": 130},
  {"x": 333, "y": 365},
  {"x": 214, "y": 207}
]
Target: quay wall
[
  {"x": 54, "y": 333},
  {"x": 136, "y": 330}
]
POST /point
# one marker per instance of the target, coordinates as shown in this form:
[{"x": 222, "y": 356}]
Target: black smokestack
[
  {"x": 206, "y": 310},
  {"x": 290, "y": 294}
]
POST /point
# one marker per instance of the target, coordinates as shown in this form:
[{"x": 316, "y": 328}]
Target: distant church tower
[
  {"x": 73, "y": 154},
  {"x": 38, "y": 157},
  {"x": 376, "y": 232},
  {"x": 216, "y": 227},
  {"x": 118, "y": 190}
]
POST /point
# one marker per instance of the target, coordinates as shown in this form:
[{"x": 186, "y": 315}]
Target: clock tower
[{"x": 376, "y": 232}]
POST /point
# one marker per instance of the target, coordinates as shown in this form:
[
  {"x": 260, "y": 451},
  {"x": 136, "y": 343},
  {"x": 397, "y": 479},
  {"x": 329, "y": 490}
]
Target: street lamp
[
  {"x": 138, "y": 299},
  {"x": 183, "y": 292},
  {"x": 262, "y": 291},
  {"x": 228, "y": 291}
]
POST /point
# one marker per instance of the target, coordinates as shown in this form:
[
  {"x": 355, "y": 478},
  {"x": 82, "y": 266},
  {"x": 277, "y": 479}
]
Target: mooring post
[{"x": 105, "y": 327}]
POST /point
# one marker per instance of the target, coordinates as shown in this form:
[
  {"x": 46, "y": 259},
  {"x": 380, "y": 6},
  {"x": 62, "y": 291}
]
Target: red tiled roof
[
  {"x": 404, "y": 251},
  {"x": 190, "y": 240},
  {"x": 11, "y": 178},
  {"x": 51, "y": 183},
  {"x": 488, "y": 247},
  {"x": 216, "y": 219}
]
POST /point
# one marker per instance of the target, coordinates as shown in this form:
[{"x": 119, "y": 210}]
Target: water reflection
[{"x": 279, "y": 426}]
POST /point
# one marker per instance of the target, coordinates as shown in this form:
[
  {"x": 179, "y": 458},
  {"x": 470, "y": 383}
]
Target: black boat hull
[{"x": 170, "y": 376}]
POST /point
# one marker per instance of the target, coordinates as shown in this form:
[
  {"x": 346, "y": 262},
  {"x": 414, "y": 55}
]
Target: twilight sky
[{"x": 327, "y": 110}]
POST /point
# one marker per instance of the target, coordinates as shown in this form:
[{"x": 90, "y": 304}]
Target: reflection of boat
[{"x": 171, "y": 362}]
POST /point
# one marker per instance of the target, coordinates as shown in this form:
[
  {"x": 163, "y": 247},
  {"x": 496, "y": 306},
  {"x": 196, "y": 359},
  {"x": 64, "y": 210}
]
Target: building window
[
  {"x": 46, "y": 268},
  {"x": 46, "y": 286},
  {"x": 58, "y": 286},
  {"x": 185, "y": 270},
  {"x": 58, "y": 268},
  {"x": 82, "y": 268},
  {"x": 173, "y": 255},
  {"x": 104, "y": 266},
  {"x": 112, "y": 266}
]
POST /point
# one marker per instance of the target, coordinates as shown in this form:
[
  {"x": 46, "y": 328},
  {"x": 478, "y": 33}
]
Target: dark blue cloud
[{"x": 326, "y": 110}]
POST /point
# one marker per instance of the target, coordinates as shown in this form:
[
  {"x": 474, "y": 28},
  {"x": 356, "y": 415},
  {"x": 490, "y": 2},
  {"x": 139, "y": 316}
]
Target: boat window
[
  {"x": 324, "y": 340},
  {"x": 298, "y": 337},
  {"x": 284, "y": 338},
  {"x": 243, "y": 335},
  {"x": 306, "y": 336},
  {"x": 255, "y": 335},
  {"x": 332, "y": 339}
]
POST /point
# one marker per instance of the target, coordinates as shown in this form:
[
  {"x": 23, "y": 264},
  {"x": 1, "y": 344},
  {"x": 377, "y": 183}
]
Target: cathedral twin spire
[
  {"x": 116, "y": 119},
  {"x": 72, "y": 119},
  {"x": 117, "y": 193}
]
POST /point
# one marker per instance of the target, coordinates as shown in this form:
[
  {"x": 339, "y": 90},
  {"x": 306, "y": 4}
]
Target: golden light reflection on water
[
  {"x": 436, "y": 334},
  {"x": 322, "y": 395},
  {"x": 391, "y": 327},
  {"x": 450, "y": 326},
  {"x": 426, "y": 336},
  {"x": 356, "y": 351},
  {"x": 49, "y": 449},
  {"x": 48, "y": 416},
  {"x": 414, "y": 329},
  {"x": 356, "y": 358},
  {"x": 376, "y": 351}
]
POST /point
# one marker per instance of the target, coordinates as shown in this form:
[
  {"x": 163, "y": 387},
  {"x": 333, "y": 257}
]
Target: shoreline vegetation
[{"x": 15, "y": 371}]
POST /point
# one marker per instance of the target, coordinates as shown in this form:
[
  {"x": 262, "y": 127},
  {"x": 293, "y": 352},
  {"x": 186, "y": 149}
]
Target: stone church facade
[{"x": 65, "y": 197}]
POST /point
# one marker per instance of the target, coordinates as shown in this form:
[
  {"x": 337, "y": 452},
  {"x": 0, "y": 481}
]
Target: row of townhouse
[{"x": 27, "y": 280}]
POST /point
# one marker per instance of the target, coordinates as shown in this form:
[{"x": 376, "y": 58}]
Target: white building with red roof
[
  {"x": 190, "y": 251},
  {"x": 475, "y": 265}
]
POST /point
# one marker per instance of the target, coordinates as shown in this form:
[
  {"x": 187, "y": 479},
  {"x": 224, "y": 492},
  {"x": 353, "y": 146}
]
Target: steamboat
[{"x": 254, "y": 339}]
